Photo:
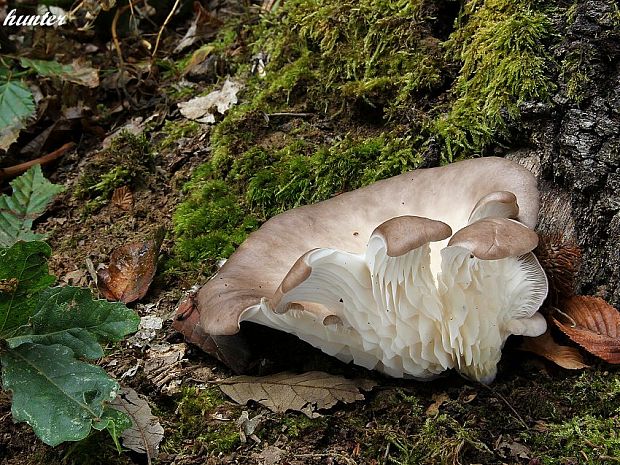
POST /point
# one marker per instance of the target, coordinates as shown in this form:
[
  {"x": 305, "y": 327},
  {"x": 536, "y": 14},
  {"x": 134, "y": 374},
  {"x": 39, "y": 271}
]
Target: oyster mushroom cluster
[{"x": 411, "y": 276}]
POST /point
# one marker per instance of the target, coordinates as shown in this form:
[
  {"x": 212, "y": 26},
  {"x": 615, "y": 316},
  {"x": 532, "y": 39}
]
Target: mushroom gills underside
[
  {"x": 392, "y": 314},
  {"x": 381, "y": 315},
  {"x": 484, "y": 302}
]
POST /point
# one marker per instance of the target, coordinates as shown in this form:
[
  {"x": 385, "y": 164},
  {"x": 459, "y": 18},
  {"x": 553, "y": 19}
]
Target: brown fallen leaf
[
  {"x": 595, "y": 326},
  {"x": 123, "y": 198},
  {"x": 304, "y": 393},
  {"x": 564, "y": 356},
  {"x": 438, "y": 400},
  {"x": 146, "y": 433},
  {"x": 130, "y": 272}
]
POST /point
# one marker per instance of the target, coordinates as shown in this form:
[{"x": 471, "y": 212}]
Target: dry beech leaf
[
  {"x": 130, "y": 272},
  {"x": 304, "y": 393},
  {"x": 123, "y": 198},
  {"x": 203, "y": 109},
  {"x": 596, "y": 326},
  {"x": 564, "y": 356},
  {"x": 438, "y": 401},
  {"x": 146, "y": 433}
]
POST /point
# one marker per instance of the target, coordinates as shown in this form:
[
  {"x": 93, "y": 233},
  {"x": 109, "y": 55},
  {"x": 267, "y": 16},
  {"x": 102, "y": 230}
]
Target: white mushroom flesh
[{"x": 416, "y": 315}]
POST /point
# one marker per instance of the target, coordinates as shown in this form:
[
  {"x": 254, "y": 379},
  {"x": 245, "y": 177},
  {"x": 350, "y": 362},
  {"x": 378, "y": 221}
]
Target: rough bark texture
[{"x": 576, "y": 144}]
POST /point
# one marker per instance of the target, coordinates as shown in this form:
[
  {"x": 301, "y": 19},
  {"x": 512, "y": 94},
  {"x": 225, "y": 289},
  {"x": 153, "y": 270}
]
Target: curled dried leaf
[
  {"x": 130, "y": 272},
  {"x": 123, "y": 198},
  {"x": 564, "y": 356},
  {"x": 594, "y": 325}
]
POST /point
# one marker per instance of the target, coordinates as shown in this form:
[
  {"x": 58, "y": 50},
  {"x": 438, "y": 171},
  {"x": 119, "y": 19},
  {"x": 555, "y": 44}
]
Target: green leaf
[
  {"x": 115, "y": 422},
  {"x": 76, "y": 73},
  {"x": 57, "y": 395},
  {"x": 45, "y": 67},
  {"x": 69, "y": 316},
  {"x": 16, "y": 103},
  {"x": 23, "y": 267},
  {"x": 32, "y": 193}
]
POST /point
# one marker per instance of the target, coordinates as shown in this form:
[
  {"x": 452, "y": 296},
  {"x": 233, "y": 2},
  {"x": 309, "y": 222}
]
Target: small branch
[
  {"x": 163, "y": 26},
  {"x": 16, "y": 170},
  {"x": 292, "y": 115}
]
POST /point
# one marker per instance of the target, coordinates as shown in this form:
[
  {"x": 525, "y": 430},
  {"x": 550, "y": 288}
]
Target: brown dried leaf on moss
[
  {"x": 564, "y": 356},
  {"x": 146, "y": 433},
  {"x": 304, "y": 393},
  {"x": 595, "y": 326},
  {"x": 123, "y": 198},
  {"x": 438, "y": 401},
  {"x": 132, "y": 267}
]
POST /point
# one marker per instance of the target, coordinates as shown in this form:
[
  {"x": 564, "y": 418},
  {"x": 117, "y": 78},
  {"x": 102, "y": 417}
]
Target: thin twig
[
  {"x": 301, "y": 115},
  {"x": 163, "y": 26},
  {"x": 16, "y": 170},
  {"x": 503, "y": 399}
]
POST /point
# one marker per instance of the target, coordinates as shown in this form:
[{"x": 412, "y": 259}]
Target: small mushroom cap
[
  {"x": 495, "y": 238},
  {"x": 405, "y": 233},
  {"x": 299, "y": 272},
  {"x": 501, "y": 204}
]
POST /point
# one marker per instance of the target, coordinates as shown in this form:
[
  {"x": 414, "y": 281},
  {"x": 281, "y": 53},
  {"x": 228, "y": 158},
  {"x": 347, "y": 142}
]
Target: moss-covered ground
[{"x": 355, "y": 91}]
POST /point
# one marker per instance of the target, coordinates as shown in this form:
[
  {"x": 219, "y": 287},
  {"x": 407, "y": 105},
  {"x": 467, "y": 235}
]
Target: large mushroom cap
[{"x": 447, "y": 194}]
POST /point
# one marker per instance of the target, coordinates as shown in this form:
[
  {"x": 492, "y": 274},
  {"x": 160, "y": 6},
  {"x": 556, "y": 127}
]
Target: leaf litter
[
  {"x": 307, "y": 392},
  {"x": 146, "y": 432},
  {"x": 594, "y": 325},
  {"x": 203, "y": 109},
  {"x": 131, "y": 270}
]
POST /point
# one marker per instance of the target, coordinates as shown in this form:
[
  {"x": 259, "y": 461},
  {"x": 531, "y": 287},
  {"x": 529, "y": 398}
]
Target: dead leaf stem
[
  {"x": 163, "y": 26},
  {"x": 16, "y": 170}
]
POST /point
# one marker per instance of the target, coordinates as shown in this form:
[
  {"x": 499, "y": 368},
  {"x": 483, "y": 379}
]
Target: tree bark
[{"x": 575, "y": 147}]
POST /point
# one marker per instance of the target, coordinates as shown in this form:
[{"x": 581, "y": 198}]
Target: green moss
[
  {"x": 295, "y": 425},
  {"x": 229, "y": 197},
  {"x": 440, "y": 440},
  {"x": 128, "y": 161},
  {"x": 587, "y": 440},
  {"x": 175, "y": 130},
  {"x": 501, "y": 48},
  {"x": 194, "y": 413},
  {"x": 211, "y": 223}
]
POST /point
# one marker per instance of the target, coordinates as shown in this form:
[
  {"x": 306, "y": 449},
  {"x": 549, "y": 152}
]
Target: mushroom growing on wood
[{"x": 376, "y": 276}]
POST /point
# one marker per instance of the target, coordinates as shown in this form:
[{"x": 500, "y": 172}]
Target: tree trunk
[{"x": 576, "y": 146}]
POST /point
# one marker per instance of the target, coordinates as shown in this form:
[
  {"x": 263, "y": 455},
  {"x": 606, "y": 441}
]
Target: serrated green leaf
[
  {"x": 25, "y": 265},
  {"x": 32, "y": 193},
  {"x": 69, "y": 316},
  {"x": 16, "y": 103},
  {"x": 58, "y": 396},
  {"x": 45, "y": 67},
  {"x": 76, "y": 73}
]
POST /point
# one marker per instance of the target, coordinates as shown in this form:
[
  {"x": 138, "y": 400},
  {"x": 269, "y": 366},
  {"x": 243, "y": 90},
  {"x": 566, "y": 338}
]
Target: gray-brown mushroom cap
[
  {"x": 495, "y": 238},
  {"x": 405, "y": 233},
  {"x": 447, "y": 194}
]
